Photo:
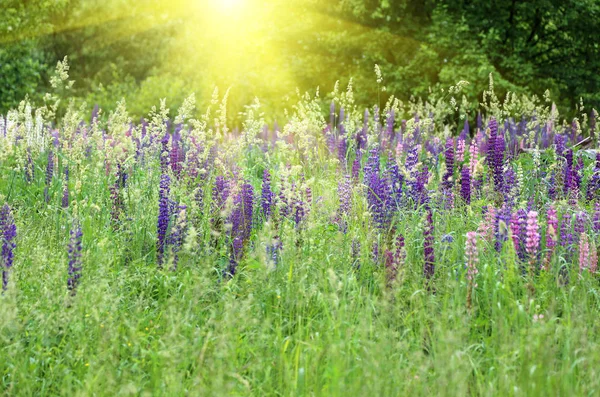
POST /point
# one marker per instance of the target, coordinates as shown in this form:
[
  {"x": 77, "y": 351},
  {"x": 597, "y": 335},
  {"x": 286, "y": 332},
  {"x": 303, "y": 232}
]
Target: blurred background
[{"x": 144, "y": 50}]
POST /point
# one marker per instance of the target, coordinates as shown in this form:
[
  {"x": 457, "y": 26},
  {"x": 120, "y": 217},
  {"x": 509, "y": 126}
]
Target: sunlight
[{"x": 228, "y": 5}]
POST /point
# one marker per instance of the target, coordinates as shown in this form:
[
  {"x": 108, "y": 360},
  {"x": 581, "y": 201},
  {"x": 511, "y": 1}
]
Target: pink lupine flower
[
  {"x": 460, "y": 150},
  {"x": 532, "y": 239},
  {"x": 472, "y": 256},
  {"x": 472, "y": 260},
  {"x": 473, "y": 153},
  {"x": 486, "y": 226},
  {"x": 584, "y": 253},
  {"x": 593, "y": 258},
  {"x": 515, "y": 230},
  {"x": 399, "y": 149}
]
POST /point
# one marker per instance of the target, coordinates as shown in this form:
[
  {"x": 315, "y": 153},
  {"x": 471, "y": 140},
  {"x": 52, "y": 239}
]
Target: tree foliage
[{"x": 120, "y": 48}]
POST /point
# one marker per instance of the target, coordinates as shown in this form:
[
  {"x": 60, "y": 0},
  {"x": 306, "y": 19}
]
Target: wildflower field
[{"x": 428, "y": 247}]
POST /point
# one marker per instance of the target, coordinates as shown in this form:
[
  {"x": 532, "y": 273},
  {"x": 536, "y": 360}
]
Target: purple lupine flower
[
  {"x": 594, "y": 182},
  {"x": 309, "y": 200},
  {"x": 522, "y": 216},
  {"x": 378, "y": 198},
  {"x": 465, "y": 184},
  {"x": 356, "y": 170},
  {"x": 65, "y": 197},
  {"x": 491, "y": 146},
  {"x": 420, "y": 186},
  {"x": 74, "y": 254},
  {"x": 596, "y": 219},
  {"x": 117, "y": 204},
  {"x": 375, "y": 253},
  {"x": 267, "y": 195},
  {"x": 560, "y": 144},
  {"x": 121, "y": 176},
  {"x": 284, "y": 206},
  {"x": 345, "y": 195},
  {"x": 449, "y": 153},
  {"x": 394, "y": 260},
  {"x": 248, "y": 209},
  {"x": 164, "y": 154},
  {"x": 396, "y": 182},
  {"x": 509, "y": 182},
  {"x": 49, "y": 175},
  {"x": 241, "y": 225},
  {"x": 361, "y": 137},
  {"x": 447, "y": 238},
  {"x": 579, "y": 226},
  {"x": 342, "y": 148},
  {"x": 299, "y": 212},
  {"x": 377, "y": 191},
  {"x": 8, "y": 232},
  {"x": 220, "y": 193},
  {"x": 274, "y": 250},
  {"x": 568, "y": 177},
  {"x": 466, "y": 131},
  {"x": 498, "y": 162},
  {"x": 552, "y": 186},
  {"x": 236, "y": 253},
  {"x": 410, "y": 164},
  {"x": 502, "y": 221},
  {"x": 390, "y": 267},
  {"x": 566, "y": 234},
  {"x": 389, "y": 128},
  {"x": 178, "y": 234},
  {"x": 372, "y": 166},
  {"x": 164, "y": 215},
  {"x": 428, "y": 251}
]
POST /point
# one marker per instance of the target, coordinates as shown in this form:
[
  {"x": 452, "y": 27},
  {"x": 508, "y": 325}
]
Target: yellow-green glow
[{"x": 228, "y": 5}]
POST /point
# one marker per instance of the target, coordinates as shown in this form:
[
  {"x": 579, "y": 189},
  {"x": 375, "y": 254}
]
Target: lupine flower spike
[
  {"x": 532, "y": 241},
  {"x": 472, "y": 260},
  {"x": 8, "y": 233},
  {"x": 75, "y": 264}
]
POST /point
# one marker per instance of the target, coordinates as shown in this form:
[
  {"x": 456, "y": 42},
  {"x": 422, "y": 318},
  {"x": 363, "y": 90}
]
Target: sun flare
[{"x": 228, "y": 4}]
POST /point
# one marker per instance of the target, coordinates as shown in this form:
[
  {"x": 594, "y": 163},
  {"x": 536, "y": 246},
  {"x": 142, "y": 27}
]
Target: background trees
[{"x": 148, "y": 49}]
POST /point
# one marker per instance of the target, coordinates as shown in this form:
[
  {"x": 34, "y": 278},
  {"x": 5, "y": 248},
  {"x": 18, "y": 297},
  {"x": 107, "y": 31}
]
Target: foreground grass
[{"x": 320, "y": 322}]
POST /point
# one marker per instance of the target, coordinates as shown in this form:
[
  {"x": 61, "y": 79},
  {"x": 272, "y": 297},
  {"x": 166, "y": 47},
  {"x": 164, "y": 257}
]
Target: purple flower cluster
[
  {"x": 267, "y": 195},
  {"x": 164, "y": 215},
  {"x": 378, "y": 192},
  {"x": 8, "y": 232},
  {"x": 241, "y": 225},
  {"x": 74, "y": 254},
  {"x": 178, "y": 233},
  {"x": 65, "y": 196},
  {"x": 465, "y": 184},
  {"x": 428, "y": 241},
  {"x": 49, "y": 175}
]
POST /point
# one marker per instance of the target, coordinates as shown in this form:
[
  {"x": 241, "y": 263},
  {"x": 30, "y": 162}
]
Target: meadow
[{"x": 413, "y": 248}]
